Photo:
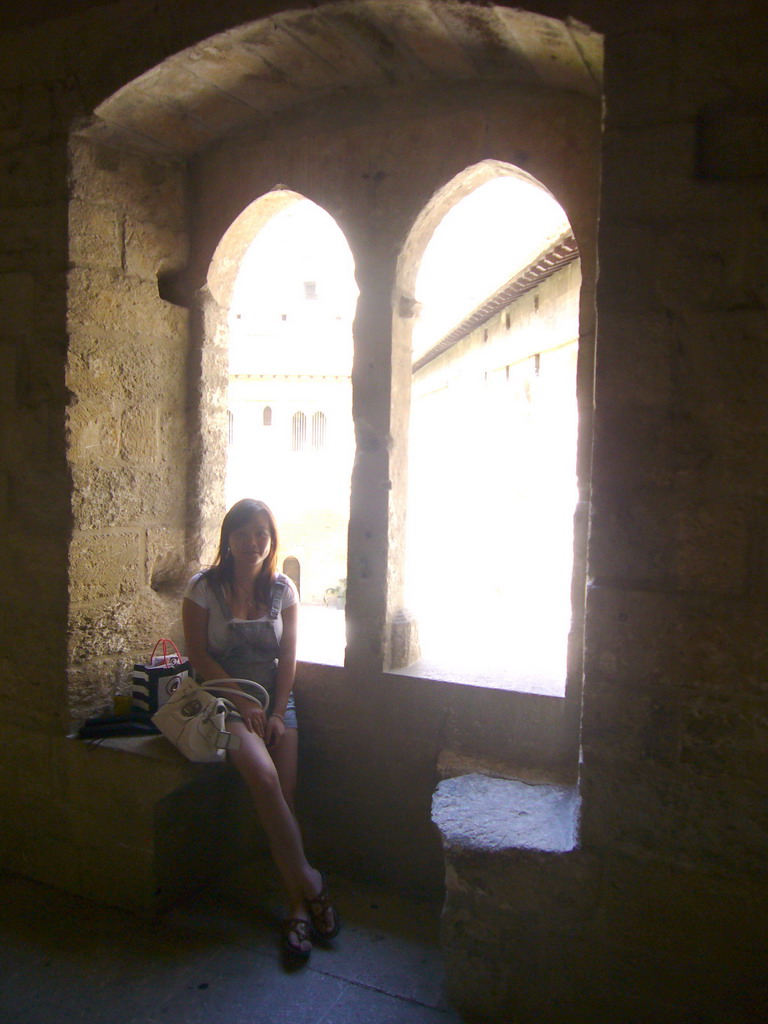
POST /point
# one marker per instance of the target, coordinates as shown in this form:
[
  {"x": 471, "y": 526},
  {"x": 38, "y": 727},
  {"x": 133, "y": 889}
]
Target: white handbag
[{"x": 195, "y": 717}]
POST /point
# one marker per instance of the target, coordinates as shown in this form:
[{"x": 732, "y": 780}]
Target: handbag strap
[
  {"x": 166, "y": 643},
  {"x": 258, "y": 694}
]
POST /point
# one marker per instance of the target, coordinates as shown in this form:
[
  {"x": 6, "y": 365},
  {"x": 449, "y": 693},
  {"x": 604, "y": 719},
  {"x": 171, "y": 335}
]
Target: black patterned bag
[{"x": 156, "y": 681}]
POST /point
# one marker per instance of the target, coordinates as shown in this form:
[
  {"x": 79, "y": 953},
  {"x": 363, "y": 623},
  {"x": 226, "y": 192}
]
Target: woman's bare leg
[
  {"x": 257, "y": 768},
  {"x": 286, "y": 757}
]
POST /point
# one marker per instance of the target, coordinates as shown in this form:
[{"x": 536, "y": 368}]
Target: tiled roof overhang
[{"x": 552, "y": 259}]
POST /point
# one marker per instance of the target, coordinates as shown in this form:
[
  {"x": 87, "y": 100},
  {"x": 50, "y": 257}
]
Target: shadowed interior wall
[{"x": 127, "y": 418}]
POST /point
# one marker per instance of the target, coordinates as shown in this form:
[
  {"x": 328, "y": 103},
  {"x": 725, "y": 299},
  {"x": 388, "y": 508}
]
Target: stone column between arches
[{"x": 379, "y": 630}]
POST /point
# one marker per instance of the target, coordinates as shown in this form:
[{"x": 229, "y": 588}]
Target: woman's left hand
[{"x": 275, "y": 731}]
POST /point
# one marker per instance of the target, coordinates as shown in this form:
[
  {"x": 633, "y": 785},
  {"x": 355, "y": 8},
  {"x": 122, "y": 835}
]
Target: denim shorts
[{"x": 289, "y": 716}]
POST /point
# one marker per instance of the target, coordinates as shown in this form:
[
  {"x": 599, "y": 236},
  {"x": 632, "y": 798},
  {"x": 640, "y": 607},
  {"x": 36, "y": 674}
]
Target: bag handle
[
  {"x": 165, "y": 642},
  {"x": 217, "y": 686}
]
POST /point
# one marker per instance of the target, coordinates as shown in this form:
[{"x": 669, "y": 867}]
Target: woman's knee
[{"x": 260, "y": 773}]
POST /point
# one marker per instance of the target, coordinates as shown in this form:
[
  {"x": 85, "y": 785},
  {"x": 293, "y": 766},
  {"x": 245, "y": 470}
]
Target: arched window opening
[
  {"x": 298, "y": 432},
  {"x": 493, "y": 438},
  {"x": 290, "y": 342},
  {"x": 318, "y": 431},
  {"x": 292, "y": 568}
]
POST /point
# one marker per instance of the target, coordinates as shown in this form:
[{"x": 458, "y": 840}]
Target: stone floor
[{"x": 216, "y": 960}]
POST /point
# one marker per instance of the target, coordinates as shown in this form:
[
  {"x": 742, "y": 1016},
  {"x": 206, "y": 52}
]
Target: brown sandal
[
  {"x": 319, "y": 908},
  {"x": 296, "y": 926}
]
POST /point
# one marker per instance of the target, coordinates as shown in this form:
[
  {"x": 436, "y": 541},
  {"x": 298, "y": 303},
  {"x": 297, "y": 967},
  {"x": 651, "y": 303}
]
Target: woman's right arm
[{"x": 195, "y": 621}]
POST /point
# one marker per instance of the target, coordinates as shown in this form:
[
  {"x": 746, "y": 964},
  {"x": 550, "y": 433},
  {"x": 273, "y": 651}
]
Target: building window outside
[
  {"x": 298, "y": 432},
  {"x": 266, "y": 417},
  {"x": 318, "y": 431}
]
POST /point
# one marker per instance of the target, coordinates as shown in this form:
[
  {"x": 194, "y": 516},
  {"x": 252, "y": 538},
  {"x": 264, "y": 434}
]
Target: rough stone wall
[
  {"x": 675, "y": 677},
  {"x": 34, "y": 486},
  {"x": 676, "y": 672},
  {"x": 127, "y": 423}
]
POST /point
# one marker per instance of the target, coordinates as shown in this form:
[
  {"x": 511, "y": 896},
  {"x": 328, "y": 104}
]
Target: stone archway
[
  {"x": 134, "y": 275},
  {"x": 281, "y": 291},
  {"x": 207, "y": 467},
  {"x": 260, "y": 69},
  {"x": 466, "y": 454}
]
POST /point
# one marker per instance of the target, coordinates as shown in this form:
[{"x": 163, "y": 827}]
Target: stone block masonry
[{"x": 127, "y": 416}]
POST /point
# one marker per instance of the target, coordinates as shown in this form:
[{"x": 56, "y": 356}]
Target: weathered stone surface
[
  {"x": 91, "y": 688},
  {"x": 105, "y": 564},
  {"x": 35, "y": 236},
  {"x": 679, "y": 728},
  {"x": 116, "y": 365},
  {"x": 479, "y": 812},
  {"x": 139, "y": 434},
  {"x": 166, "y": 567},
  {"x": 668, "y": 807},
  {"x": 32, "y": 173},
  {"x": 123, "y": 495},
  {"x": 150, "y": 247},
  {"x": 94, "y": 431},
  {"x": 651, "y": 96},
  {"x": 39, "y": 503},
  {"x": 173, "y": 443},
  {"x": 671, "y": 148},
  {"x": 557, "y": 889},
  {"x": 736, "y": 53},
  {"x": 25, "y": 115},
  {"x": 270, "y": 66},
  {"x": 95, "y": 235},
  {"x": 132, "y": 624},
  {"x": 16, "y": 292},
  {"x": 109, "y": 299},
  {"x": 19, "y": 741},
  {"x": 404, "y": 640},
  {"x": 706, "y": 546},
  {"x": 646, "y": 638},
  {"x": 148, "y": 190}
]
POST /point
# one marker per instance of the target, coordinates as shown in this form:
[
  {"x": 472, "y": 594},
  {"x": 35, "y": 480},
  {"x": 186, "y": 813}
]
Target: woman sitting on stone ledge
[{"x": 240, "y": 621}]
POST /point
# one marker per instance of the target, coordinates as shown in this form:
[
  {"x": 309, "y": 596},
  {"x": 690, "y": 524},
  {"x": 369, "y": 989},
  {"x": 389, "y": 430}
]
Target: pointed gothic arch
[{"x": 494, "y": 314}]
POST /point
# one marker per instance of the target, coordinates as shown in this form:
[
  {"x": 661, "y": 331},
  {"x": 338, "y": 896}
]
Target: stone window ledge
[
  {"x": 482, "y": 813},
  {"x": 538, "y": 684},
  {"x": 155, "y": 747}
]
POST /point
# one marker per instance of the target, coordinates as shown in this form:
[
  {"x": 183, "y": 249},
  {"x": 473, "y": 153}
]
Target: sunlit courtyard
[
  {"x": 492, "y": 443},
  {"x": 492, "y": 448}
]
